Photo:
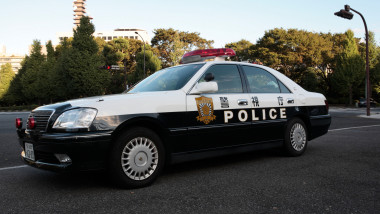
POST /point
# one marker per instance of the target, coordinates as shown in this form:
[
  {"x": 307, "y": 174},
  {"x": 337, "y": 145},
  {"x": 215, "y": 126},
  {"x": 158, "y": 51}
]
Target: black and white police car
[{"x": 191, "y": 111}]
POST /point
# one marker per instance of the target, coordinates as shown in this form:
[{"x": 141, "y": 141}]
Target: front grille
[{"x": 42, "y": 118}]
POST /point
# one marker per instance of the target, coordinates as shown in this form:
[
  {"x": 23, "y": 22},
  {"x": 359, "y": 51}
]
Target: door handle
[
  {"x": 242, "y": 102},
  {"x": 290, "y": 100}
]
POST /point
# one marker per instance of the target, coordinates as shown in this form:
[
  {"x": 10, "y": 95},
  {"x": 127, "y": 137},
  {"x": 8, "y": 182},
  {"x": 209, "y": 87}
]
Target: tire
[
  {"x": 296, "y": 136},
  {"x": 137, "y": 158}
]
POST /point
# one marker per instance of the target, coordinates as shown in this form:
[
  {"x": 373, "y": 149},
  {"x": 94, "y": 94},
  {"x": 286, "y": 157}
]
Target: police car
[{"x": 199, "y": 109}]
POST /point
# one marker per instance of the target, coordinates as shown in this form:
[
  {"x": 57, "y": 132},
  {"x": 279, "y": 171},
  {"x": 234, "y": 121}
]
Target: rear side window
[
  {"x": 261, "y": 81},
  {"x": 227, "y": 77},
  {"x": 283, "y": 88}
]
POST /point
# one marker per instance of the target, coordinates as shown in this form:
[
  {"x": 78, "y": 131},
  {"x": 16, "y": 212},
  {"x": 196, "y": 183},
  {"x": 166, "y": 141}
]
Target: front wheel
[
  {"x": 137, "y": 158},
  {"x": 295, "y": 142}
]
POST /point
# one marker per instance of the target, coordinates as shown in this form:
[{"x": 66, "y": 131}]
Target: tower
[{"x": 79, "y": 11}]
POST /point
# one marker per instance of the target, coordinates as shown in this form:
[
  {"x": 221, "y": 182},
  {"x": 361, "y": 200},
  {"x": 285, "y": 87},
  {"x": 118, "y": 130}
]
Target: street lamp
[
  {"x": 348, "y": 15},
  {"x": 144, "y": 50}
]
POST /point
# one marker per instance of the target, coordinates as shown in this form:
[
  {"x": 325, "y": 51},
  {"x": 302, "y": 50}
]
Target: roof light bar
[{"x": 201, "y": 55}]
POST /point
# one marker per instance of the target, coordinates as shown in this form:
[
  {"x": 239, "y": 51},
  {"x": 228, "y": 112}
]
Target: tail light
[
  {"x": 31, "y": 123},
  {"x": 327, "y": 106},
  {"x": 19, "y": 123}
]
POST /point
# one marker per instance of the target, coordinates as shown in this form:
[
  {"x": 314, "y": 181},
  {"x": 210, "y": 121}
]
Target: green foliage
[
  {"x": 79, "y": 66},
  {"x": 177, "y": 49},
  {"x": 286, "y": 50},
  {"x": 373, "y": 50},
  {"x": 349, "y": 69},
  {"x": 329, "y": 63},
  {"x": 375, "y": 79},
  {"x": 14, "y": 95},
  {"x": 121, "y": 52},
  {"x": 171, "y": 44},
  {"x": 6, "y": 76},
  {"x": 48, "y": 71},
  {"x": 33, "y": 79},
  {"x": 242, "y": 49},
  {"x": 152, "y": 64},
  {"x": 311, "y": 81}
]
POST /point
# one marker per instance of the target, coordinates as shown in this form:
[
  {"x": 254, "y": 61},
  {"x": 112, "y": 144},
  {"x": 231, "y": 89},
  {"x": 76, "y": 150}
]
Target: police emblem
[{"x": 205, "y": 109}]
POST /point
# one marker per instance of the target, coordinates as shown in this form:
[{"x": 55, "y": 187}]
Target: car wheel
[
  {"x": 137, "y": 158},
  {"x": 295, "y": 141}
]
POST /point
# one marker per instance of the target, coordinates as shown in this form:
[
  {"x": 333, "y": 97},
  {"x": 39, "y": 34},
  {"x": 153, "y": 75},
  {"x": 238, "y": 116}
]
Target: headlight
[{"x": 75, "y": 119}]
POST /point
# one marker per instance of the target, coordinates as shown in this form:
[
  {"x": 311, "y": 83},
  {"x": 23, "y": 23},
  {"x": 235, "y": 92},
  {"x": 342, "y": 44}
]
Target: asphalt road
[{"x": 339, "y": 173}]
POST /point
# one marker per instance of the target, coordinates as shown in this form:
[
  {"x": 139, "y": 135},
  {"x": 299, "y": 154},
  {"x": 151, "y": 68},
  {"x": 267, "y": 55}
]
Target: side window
[
  {"x": 261, "y": 81},
  {"x": 283, "y": 88},
  {"x": 227, "y": 77}
]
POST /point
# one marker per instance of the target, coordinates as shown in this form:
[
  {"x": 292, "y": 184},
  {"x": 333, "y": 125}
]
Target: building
[
  {"x": 15, "y": 61},
  {"x": 110, "y": 35},
  {"x": 79, "y": 11},
  {"x": 3, "y": 50}
]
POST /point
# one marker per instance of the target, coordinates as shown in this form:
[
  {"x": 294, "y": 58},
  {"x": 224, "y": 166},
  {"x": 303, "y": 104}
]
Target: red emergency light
[
  {"x": 31, "y": 123},
  {"x": 201, "y": 55},
  {"x": 19, "y": 123}
]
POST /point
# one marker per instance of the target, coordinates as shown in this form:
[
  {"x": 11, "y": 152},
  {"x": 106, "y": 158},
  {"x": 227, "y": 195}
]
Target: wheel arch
[
  {"x": 145, "y": 122},
  {"x": 306, "y": 120}
]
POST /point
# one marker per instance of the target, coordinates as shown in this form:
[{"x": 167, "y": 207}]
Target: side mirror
[
  {"x": 205, "y": 87},
  {"x": 209, "y": 77}
]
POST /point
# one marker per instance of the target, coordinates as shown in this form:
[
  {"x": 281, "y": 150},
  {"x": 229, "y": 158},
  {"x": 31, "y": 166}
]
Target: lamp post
[
  {"x": 144, "y": 50},
  {"x": 348, "y": 15}
]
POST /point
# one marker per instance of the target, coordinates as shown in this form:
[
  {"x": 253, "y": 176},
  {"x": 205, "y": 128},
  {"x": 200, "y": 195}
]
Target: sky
[{"x": 23, "y": 21}]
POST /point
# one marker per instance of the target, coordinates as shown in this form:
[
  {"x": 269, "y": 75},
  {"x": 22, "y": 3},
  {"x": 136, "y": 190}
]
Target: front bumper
[{"x": 87, "y": 151}]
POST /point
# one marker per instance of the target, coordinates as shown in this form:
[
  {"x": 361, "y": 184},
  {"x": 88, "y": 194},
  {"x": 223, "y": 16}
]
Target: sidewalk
[{"x": 362, "y": 112}]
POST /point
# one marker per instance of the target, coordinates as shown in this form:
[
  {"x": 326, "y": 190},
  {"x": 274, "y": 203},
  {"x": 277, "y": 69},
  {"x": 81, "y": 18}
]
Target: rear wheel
[
  {"x": 295, "y": 142},
  {"x": 137, "y": 158}
]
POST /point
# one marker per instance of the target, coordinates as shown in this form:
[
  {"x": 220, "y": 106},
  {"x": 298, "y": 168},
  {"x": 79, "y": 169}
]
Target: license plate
[{"x": 29, "y": 152}]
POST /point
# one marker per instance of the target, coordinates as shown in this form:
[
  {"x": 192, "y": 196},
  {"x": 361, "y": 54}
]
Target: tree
[
  {"x": 61, "y": 77},
  {"x": 177, "y": 47},
  {"x": 121, "y": 52},
  {"x": 171, "y": 44},
  {"x": 48, "y": 71},
  {"x": 152, "y": 64},
  {"x": 349, "y": 69},
  {"x": 373, "y": 50},
  {"x": 242, "y": 49},
  {"x": 293, "y": 52},
  {"x": 14, "y": 95},
  {"x": 33, "y": 79},
  {"x": 79, "y": 66},
  {"x": 374, "y": 60},
  {"x": 375, "y": 78},
  {"x": 6, "y": 76}
]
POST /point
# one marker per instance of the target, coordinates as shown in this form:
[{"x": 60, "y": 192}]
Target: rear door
[
  {"x": 270, "y": 99},
  {"x": 219, "y": 119}
]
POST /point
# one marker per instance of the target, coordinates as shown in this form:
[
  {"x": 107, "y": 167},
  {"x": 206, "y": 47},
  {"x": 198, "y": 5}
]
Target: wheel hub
[
  {"x": 139, "y": 158},
  {"x": 298, "y": 137}
]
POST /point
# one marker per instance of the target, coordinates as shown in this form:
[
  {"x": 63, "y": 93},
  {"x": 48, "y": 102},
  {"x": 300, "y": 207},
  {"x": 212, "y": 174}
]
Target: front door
[{"x": 220, "y": 119}]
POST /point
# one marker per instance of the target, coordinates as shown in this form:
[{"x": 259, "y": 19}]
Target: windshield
[{"x": 167, "y": 79}]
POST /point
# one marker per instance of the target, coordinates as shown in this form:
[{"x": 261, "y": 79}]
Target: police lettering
[{"x": 242, "y": 115}]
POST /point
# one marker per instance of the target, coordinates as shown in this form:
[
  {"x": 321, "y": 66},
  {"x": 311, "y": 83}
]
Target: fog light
[{"x": 63, "y": 158}]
